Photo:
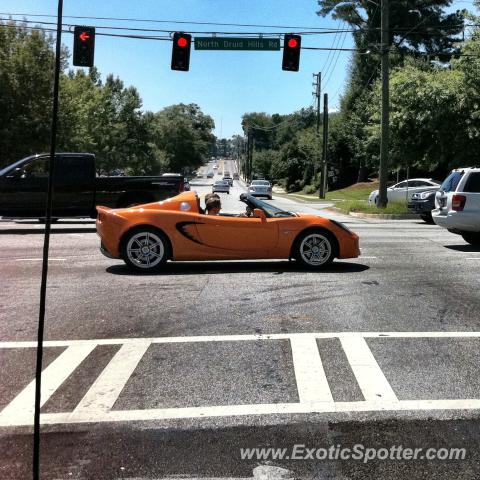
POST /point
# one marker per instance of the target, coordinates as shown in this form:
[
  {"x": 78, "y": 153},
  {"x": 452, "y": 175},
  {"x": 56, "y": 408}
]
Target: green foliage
[
  {"x": 26, "y": 81},
  {"x": 104, "y": 118},
  {"x": 348, "y": 206}
]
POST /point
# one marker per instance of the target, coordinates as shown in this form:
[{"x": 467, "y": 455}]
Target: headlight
[{"x": 425, "y": 195}]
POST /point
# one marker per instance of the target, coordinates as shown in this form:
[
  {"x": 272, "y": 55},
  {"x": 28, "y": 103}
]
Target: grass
[
  {"x": 359, "y": 191},
  {"x": 348, "y": 206}
]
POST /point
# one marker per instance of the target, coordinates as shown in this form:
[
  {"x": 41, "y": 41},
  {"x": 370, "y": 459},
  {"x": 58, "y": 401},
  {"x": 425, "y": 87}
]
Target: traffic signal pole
[
  {"x": 384, "y": 141},
  {"x": 46, "y": 246}
]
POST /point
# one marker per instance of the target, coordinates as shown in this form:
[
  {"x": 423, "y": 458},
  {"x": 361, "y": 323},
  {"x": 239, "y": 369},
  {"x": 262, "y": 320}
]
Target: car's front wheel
[
  {"x": 315, "y": 249},
  {"x": 145, "y": 249},
  {"x": 472, "y": 238}
]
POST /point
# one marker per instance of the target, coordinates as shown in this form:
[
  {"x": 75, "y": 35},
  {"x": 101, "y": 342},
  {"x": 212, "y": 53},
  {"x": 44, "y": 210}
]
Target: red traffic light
[
  {"x": 292, "y": 46},
  {"x": 293, "y": 43},
  {"x": 83, "y": 46},
  {"x": 84, "y": 36},
  {"x": 182, "y": 42}
]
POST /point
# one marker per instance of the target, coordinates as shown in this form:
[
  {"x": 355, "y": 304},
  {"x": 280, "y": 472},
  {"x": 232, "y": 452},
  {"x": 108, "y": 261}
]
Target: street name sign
[{"x": 238, "y": 43}]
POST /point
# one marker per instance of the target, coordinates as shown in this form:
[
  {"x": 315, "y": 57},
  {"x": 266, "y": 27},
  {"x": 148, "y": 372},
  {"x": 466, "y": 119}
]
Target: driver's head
[
  {"x": 213, "y": 206},
  {"x": 211, "y": 195}
]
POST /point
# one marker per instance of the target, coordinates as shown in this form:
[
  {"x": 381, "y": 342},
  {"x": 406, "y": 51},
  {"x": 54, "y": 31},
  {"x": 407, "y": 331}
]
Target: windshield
[
  {"x": 260, "y": 182},
  {"x": 269, "y": 209},
  {"x": 14, "y": 165},
  {"x": 451, "y": 182}
]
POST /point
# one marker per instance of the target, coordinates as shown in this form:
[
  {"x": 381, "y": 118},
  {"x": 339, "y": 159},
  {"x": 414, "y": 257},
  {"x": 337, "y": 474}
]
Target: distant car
[
  {"x": 186, "y": 184},
  {"x": 227, "y": 178},
  {"x": 422, "y": 203},
  {"x": 146, "y": 237},
  {"x": 403, "y": 191},
  {"x": 457, "y": 204},
  {"x": 221, "y": 186},
  {"x": 260, "y": 188},
  {"x": 236, "y": 176},
  {"x": 209, "y": 174}
]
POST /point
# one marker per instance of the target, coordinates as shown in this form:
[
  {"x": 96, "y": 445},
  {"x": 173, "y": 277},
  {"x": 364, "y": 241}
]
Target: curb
[{"x": 385, "y": 216}]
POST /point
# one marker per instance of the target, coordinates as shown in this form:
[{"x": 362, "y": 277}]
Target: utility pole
[
  {"x": 249, "y": 155},
  {"x": 323, "y": 184},
  {"x": 318, "y": 89},
  {"x": 385, "y": 46}
]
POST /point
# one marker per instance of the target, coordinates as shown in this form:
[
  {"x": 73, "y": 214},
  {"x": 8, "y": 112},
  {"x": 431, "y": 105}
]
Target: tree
[
  {"x": 26, "y": 80},
  {"x": 184, "y": 134}
]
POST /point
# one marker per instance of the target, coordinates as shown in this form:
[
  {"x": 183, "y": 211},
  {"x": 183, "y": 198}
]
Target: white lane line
[
  {"x": 473, "y": 258},
  {"x": 107, "y": 387},
  {"x": 239, "y": 338},
  {"x": 21, "y": 409},
  {"x": 39, "y": 259},
  {"x": 312, "y": 382},
  {"x": 246, "y": 410},
  {"x": 370, "y": 378}
]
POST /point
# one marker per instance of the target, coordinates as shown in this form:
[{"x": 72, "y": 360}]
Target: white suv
[{"x": 457, "y": 204}]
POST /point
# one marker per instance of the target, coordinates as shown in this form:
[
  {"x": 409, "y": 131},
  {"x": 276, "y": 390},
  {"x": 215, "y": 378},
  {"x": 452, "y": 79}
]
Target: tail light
[{"x": 458, "y": 202}]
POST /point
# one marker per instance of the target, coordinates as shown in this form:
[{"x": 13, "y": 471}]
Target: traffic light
[
  {"x": 291, "y": 52},
  {"x": 83, "y": 46},
  {"x": 182, "y": 43}
]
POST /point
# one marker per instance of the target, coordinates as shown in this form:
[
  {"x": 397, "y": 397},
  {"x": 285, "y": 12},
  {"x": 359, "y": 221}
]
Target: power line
[
  {"x": 180, "y": 22},
  {"x": 135, "y": 29},
  {"x": 168, "y": 38}
]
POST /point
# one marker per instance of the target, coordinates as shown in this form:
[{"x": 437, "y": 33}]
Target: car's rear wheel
[
  {"x": 315, "y": 249},
  {"x": 427, "y": 217},
  {"x": 472, "y": 238},
  {"x": 145, "y": 249}
]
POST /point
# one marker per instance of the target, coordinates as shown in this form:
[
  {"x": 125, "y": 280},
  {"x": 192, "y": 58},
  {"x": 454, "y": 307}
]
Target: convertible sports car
[{"x": 146, "y": 236}]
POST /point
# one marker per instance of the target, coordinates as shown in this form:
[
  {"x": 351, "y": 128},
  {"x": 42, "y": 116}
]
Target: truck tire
[{"x": 472, "y": 238}]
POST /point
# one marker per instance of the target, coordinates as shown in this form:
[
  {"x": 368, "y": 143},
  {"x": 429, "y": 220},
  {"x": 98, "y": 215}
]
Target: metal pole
[
  {"x": 385, "y": 45},
  {"x": 318, "y": 89},
  {"x": 46, "y": 246},
  {"x": 323, "y": 185}
]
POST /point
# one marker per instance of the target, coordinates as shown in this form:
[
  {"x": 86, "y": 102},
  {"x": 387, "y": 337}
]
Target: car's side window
[
  {"x": 37, "y": 168},
  {"x": 401, "y": 185},
  {"x": 473, "y": 183}
]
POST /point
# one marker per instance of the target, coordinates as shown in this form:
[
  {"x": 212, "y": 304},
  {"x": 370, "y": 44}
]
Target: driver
[{"x": 213, "y": 206}]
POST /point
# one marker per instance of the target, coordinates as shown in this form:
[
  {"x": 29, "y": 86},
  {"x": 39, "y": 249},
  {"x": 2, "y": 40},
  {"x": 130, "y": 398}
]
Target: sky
[{"x": 225, "y": 84}]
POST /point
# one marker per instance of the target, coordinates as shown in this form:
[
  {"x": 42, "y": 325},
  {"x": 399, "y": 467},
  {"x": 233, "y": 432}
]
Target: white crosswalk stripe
[{"x": 313, "y": 388}]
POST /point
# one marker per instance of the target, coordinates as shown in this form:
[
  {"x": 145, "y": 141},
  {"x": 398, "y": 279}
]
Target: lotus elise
[{"x": 146, "y": 236}]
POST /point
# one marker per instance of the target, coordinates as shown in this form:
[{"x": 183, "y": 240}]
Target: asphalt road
[{"x": 168, "y": 375}]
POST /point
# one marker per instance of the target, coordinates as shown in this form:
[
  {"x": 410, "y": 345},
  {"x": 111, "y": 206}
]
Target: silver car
[
  {"x": 260, "y": 188},
  {"x": 221, "y": 186}
]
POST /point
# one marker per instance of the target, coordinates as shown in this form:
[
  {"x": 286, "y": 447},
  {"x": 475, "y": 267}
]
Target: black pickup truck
[{"x": 77, "y": 188}]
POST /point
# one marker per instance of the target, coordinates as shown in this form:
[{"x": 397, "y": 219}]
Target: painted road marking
[
  {"x": 22, "y": 407},
  {"x": 370, "y": 378},
  {"x": 312, "y": 384},
  {"x": 314, "y": 397},
  {"x": 104, "y": 392}
]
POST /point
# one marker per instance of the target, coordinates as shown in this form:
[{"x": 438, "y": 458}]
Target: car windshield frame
[{"x": 269, "y": 210}]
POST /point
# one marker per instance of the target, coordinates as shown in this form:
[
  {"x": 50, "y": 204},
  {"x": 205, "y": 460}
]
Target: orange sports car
[{"x": 146, "y": 236}]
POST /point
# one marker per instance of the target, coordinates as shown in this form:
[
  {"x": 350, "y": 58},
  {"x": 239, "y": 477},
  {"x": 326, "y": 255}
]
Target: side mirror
[{"x": 259, "y": 213}]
